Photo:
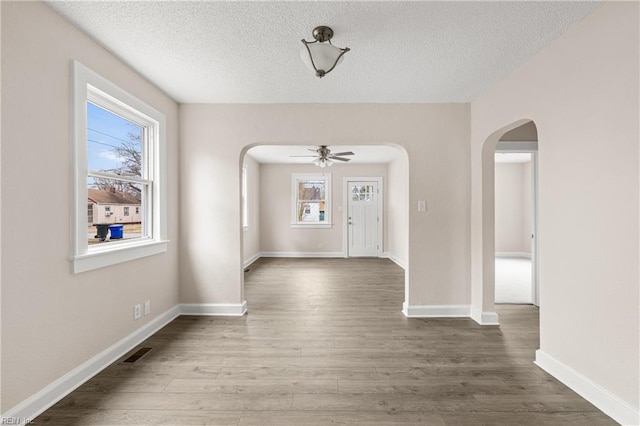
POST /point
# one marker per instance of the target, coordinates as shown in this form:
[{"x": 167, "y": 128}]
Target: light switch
[{"x": 422, "y": 206}]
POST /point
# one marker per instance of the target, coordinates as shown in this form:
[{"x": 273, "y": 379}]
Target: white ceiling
[
  {"x": 248, "y": 52},
  {"x": 512, "y": 157},
  {"x": 281, "y": 154}
]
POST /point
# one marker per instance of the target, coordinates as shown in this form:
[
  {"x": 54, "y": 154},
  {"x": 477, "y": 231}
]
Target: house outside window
[
  {"x": 119, "y": 163},
  {"x": 311, "y": 200}
]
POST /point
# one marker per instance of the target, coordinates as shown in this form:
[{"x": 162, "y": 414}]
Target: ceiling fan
[{"x": 324, "y": 157}]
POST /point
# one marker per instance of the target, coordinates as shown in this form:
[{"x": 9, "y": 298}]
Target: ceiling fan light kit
[
  {"x": 320, "y": 55},
  {"x": 323, "y": 162}
]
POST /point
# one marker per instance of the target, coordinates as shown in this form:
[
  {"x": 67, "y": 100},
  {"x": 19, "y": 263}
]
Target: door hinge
[{"x": 378, "y": 219}]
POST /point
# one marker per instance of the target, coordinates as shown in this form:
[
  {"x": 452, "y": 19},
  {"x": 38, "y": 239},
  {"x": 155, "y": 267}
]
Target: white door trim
[{"x": 345, "y": 211}]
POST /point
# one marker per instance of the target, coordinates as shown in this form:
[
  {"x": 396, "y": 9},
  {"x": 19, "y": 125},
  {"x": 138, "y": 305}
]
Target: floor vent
[{"x": 136, "y": 355}]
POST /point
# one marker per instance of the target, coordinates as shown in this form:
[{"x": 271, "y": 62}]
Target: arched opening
[
  {"x": 521, "y": 129},
  {"x": 267, "y": 195},
  {"x": 516, "y": 189}
]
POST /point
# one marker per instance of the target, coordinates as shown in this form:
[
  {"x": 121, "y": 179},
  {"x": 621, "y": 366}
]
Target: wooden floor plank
[{"x": 324, "y": 342}]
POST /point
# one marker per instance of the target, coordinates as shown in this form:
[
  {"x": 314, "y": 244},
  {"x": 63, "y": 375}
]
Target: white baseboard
[
  {"x": 394, "y": 259},
  {"x": 608, "y": 403},
  {"x": 435, "y": 311},
  {"x": 484, "y": 318},
  {"x": 302, "y": 254},
  {"x": 250, "y": 260},
  {"x": 518, "y": 254},
  {"x": 214, "y": 309},
  {"x": 55, "y": 391},
  {"x": 58, "y": 389}
]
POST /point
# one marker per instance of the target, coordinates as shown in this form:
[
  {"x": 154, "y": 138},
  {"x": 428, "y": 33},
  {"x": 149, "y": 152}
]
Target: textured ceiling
[{"x": 248, "y": 52}]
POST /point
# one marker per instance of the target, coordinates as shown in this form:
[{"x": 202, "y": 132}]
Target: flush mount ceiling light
[{"x": 320, "y": 56}]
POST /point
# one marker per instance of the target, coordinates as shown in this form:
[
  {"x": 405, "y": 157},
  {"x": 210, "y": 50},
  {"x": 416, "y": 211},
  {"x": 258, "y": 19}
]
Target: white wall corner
[
  {"x": 484, "y": 318},
  {"x": 608, "y": 403},
  {"x": 214, "y": 309},
  {"x": 37, "y": 403},
  {"x": 435, "y": 311},
  {"x": 394, "y": 259}
]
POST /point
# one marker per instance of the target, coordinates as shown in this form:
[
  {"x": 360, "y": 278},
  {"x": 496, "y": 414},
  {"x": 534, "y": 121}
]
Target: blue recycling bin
[{"x": 116, "y": 231}]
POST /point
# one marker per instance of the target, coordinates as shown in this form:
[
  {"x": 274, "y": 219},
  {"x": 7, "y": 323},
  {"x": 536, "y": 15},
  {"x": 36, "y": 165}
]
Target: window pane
[
  {"x": 114, "y": 144},
  {"x": 311, "y": 190},
  {"x": 311, "y": 212},
  {"x": 110, "y": 207}
]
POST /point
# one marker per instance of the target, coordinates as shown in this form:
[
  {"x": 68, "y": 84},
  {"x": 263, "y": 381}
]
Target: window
[
  {"x": 311, "y": 196},
  {"x": 119, "y": 159},
  {"x": 245, "y": 212}
]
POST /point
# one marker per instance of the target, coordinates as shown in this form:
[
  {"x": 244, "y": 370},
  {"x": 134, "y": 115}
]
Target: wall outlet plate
[
  {"x": 137, "y": 311},
  {"x": 147, "y": 307}
]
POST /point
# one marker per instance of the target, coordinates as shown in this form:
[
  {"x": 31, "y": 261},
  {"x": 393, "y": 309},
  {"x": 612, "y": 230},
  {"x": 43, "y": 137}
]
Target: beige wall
[
  {"x": 52, "y": 320},
  {"x": 513, "y": 207},
  {"x": 213, "y": 140},
  {"x": 397, "y": 217},
  {"x": 581, "y": 91},
  {"x": 278, "y": 236},
  {"x": 251, "y": 234}
]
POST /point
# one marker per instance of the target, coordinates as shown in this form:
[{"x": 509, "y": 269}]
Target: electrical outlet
[
  {"x": 137, "y": 312},
  {"x": 147, "y": 307}
]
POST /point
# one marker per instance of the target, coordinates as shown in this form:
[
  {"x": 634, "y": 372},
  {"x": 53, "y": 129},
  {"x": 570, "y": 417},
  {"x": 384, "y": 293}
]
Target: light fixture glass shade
[
  {"x": 322, "y": 162},
  {"x": 324, "y": 56}
]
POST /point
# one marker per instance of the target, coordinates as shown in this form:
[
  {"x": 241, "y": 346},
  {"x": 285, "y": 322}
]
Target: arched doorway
[
  {"x": 483, "y": 290},
  {"x": 278, "y": 236}
]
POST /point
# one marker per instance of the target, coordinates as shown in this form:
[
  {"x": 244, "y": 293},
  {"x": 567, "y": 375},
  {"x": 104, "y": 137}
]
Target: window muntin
[
  {"x": 311, "y": 196},
  {"x": 93, "y": 98}
]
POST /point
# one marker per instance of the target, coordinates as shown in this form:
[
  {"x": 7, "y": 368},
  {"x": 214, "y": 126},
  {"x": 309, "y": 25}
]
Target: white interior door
[{"x": 363, "y": 219}]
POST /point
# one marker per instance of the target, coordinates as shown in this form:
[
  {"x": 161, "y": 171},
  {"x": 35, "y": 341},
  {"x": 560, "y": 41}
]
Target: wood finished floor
[{"x": 324, "y": 342}]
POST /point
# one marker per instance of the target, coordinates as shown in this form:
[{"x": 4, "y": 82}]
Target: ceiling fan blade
[
  {"x": 309, "y": 156},
  {"x": 332, "y": 157},
  {"x": 343, "y": 153}
]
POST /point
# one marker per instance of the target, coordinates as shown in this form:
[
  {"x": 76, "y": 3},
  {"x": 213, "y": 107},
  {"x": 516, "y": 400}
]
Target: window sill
[
  {"x": 114, "y": 255},
  {"x": 312, "y": 225}
]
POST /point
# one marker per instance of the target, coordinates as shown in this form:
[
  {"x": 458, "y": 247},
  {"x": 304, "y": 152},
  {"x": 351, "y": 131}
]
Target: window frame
[
  {"x": 90, "y": 86},
  {"x": 297, "y": 177}
]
